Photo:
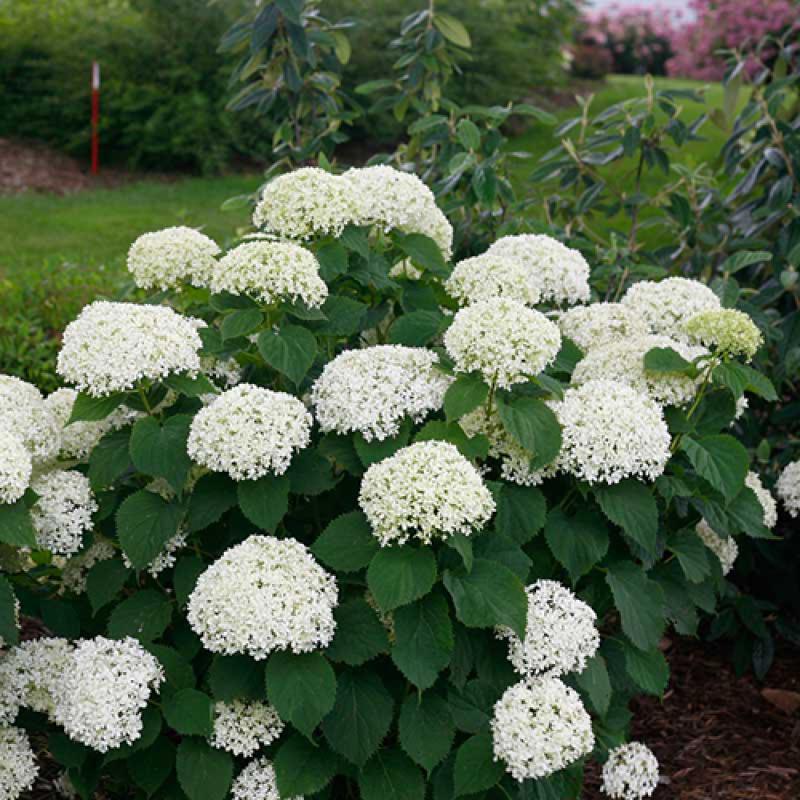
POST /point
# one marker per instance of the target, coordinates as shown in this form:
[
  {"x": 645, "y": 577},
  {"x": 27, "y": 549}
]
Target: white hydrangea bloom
[
  {"x": 74, "y": 571},
  {"x": 262, "y": 595},
  {"x": 270, "y": 272},
  {"x": 257, "y": 781},
  {"x": 78, "y": 439},
  {"x": 242, "y": 727},
  {"x": 166, "y": 558},
  {"x": 788, "y": 488},
  {"x": 304, "y": 203},
  {"x": 669, "y": 304},
  {"x": 727, "y": 331},
  {"x": 560, "y": 636},
  {"x": 165, "y": 259},
  {"x": 504, "y": 340},
  {"x": 23, "y": 414},
  {"x": 15, "y": 466},
  {"x": 373, "y": 390},
  {"x": 491, "y": 275},
  {"x": 725, "y": 549},
  {"x": 623, "y": 361},
  {"x": 539, "y": 727},
  {"x": 515, "y": 460},
  {"x": 110, "y": 347},
  {"x": 104, "y": 690},
  {"x": 611, "y": 431},
  {"x": 18, "y": 768},
  {"x": 63, "y": 511},
  {"x": 562, "y": 273},
  {"x": 602, "y": 324},
  {"x": 631, "y": 772},
  {"x": 249, "y": 432},
  {"x": 224, "y": 372},
  {"x": 426, "y": 490},
  {"x": 765, "y": 498}
]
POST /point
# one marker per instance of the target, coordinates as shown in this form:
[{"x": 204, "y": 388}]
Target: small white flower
[
  {"x": 242, "y": 727},
  {"x": 15, "y": 467},
  {"x": 768, "y": 504},
  {"x": 788, "y": 488},
  {"x": 725, "y": 549},
  {"x": 23, "y": 413},
  {"x": 631, "y": 772},
  {"x": 63, "y": 511},
  {"x": 602, "y": 324},
  {"x": 18, "y": 768},
  {"x": 489, "y": 275},
  {"x": 257, "y": 781}
]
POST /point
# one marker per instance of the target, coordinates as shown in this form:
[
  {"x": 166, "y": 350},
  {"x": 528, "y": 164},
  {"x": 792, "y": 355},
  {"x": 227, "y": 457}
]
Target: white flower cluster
[
  {"x": 560, "y": 635},
  {"x": 242, "y": 727},
  {"x": 788, "y": 488},
  {"x": 78, "y": 439},
  {"x": 631, "y": 772},
  {"x": 768, "y": 504},
  {"x": 110, "y": 347},
  {"x": 225, "y": 372},
  {"x": 270, "y": 272},
  {"x": 502, "y": 339},
  {"x": 623, "y": 361},
  {"x": 249, "y": 432},
  {"x": 725, "y": 549},
  {"x": 373, "y": 390},
  {"x": 63, "y": 511},
  {"x": 611, "y": 431},
  {"x": 73, "y": 574},
  {"x": 561, "y": 272},
  {"x": 15, "y": 467},
  {"x": 539, "y": 727},
  {"x": 104, "y": 689},
  {"x": 669, "y": 304},
  {"x": 426, "y": 490},
  {"x": 18, "y": 768},
  {"x": 490, "y": 275},
  {"x": 727, "y": 331},
  {"x": 262, "y": 595},
  {"x": 257, "y": 781},
  {"x": 165, "y": 259},
  {"x": 23, "y": 413},
  {"x": 602, "y": 324}
]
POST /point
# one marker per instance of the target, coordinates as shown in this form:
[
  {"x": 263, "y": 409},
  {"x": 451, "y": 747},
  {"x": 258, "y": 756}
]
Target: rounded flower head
[
  {"x": 491, "y": 275},
  {"x": 265, "y": 594},
  {"x": 426, "y": 490},
  {"x": 623, "y": 361},
  {"x": 23, "y": 414},
  {"x": 243, "y": 727},
  {"x": 504, "y": 340},
  {"x": 788, "y": 488},
  {"x": 304, "y": 203},
  {"x": 104, "y": 690},
  {"x": 539, "y": 727},
  {"x": 257, "y": 781},
  {"x": 561, "y": 272},
  {"x": 63, "y": 510},
  {"x": 249, "y": 432},
  {"x": 373, "y": 390},
  {"x": 725, "y": 549},
  {"x": 270, "y": 272},
  {"x": 611, "y": 431},
  {"x": 726, "y": 331},
  {"x": 765, "y": 498},
  {"x": 669, "y": 304},
  {"x": 18, "y": 768},
  {"x": 602, "y": 324},
  {"x": 561, "y": 634},
  {"x": 110, "y": 347},
  {"x": 631, "y": 772},
  {"x": 166, "y": 259},
  {"x": 15, "y": 467}
]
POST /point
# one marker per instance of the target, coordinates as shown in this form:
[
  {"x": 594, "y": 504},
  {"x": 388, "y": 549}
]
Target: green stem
[
  {"x": 698, "y": 398},
  {"x": 490, "y": 398}
]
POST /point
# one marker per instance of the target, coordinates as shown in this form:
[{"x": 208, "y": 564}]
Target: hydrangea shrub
[{"x": 330, "y": 517}]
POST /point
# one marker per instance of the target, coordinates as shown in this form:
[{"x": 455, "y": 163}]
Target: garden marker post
[{"x": 95, "y": 117}]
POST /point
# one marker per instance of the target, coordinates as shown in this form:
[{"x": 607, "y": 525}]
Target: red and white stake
[{"x": 95, "y": 118}]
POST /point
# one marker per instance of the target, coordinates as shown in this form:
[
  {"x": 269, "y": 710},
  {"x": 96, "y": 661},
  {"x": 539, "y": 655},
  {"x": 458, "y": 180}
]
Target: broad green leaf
[
  {"x": 151, "y": 767},
  {"x": 265, "y": 501},
  {"x": 426, "y": 729},
  {"x": 594, "y": 681},
  {"x": 190, "y": 713},
  {"x": 302, "y": 687},
  {"x": 104, "y": 582},
  {"x": 345, "y": 316},
  {"x": 505, "y": 550},
  {"x": 416, "y": 328},
  {"x": 465, "y": 394},
  {"x": 744, "y": 258},
  {"x": 474, "y": 447},
  {"x": 236, "y": 677},
  {"x": 721, "y": 460},
  {"x": 648, "y": 669},
  {"x": 640, "y": 603},
  {"x": 241, "y": 323},
  {"x": 110, "y": 459},
  {"x": 399, "y": 575},
  {"x": 347, "y": 544},
  {"x": 67, "y": 752},
  {"x": 665, "y": 359},
  {"x": 452, "y": 29},
  {"x": 291, "y": 350},
  {"x": 212, "y": 496},
  {"x": 160, "y": 450},
  {"x": 145, "y": 523},
  {"x": 534, "y": 426},
  {"x": 93, "y": 409},
  {"x": 361, "y": 716},
  {"x": 391, "y": 775},
  {"x": 578, "y": 542},
  {"x": 631, "y": 505},
  {"x": 16, "y": 526},
  {"x": 303, "y": 768},
  {"x": 692, "y": 555},
  {"x": 204, "y": 772},
  {"x": 184, "y": 578},
  {"x": 468, "y": 134},
  {"x": 144, "y": 616},
  {"x": 476, "y": 768},
  {"x": 740, "y": 378},
  {"x": 377, "y": 449},
  {"x": 191, "y": 387},
  {"x": 423, "y": 252},
  {"x": 521, "y": 512},
  {"x": 360, "y": 635},
  {"x": 747, "y": 515},
  {"x": 61, "y": 617},
  {"x": 489, "y": 595},
  {"x": 332, "y": 259},
  {"x": 9, "y": 632},
  {"x": 310, "y": 473},
  {"x": 177, "y": 669}
]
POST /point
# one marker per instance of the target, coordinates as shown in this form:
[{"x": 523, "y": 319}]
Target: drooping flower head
[
  {"x": 602, "y": 324},
  {"x": 18, "y": 768},
  {"x": 724, "y": 548},
  {"x": 63, "y": 511},
  {"x": 15, "y": 467},
  {"x": 257, "y": 781},
  {"x": 24, "y": 414},
  {"x": 539, "y": 727},
  {"x": 262, "y": 595},
  {"x": 168, "y": 258},
  {"x": 110, "y": 347},
  {"x": 788, "y": 488},
  {"x": 631, "y": 772},
  {"x": 427, "y": 490},
  {"x": 242, "y": 727},
  {"x": 611, "y": 431},
  {"x": 373, "y": 390},
  {"x": 502, "y": 339},
  {"x": 726, "y": 331},
  {"x": 765, "y": 498},
  {"x": 562, "y": 273},
  {"x": 491, "y": 275}
]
